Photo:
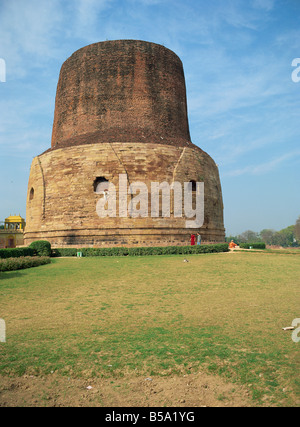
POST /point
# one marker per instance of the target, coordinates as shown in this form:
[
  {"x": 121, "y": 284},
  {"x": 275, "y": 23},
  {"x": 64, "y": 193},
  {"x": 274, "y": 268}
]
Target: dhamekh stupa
[{"x": 120, "y": 110}]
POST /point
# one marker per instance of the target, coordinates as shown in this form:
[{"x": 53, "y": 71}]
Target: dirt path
[{"x": 194, "y": 390}]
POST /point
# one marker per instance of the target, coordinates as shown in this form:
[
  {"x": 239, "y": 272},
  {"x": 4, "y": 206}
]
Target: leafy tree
[{"x": 286, "y": 236}]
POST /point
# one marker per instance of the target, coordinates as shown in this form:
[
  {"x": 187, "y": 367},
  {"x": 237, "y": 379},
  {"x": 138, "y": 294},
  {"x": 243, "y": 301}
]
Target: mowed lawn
[{"x": 158, "y": 315}]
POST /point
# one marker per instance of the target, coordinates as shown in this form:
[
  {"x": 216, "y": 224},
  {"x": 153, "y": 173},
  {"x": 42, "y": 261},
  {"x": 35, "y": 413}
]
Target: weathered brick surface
[
  {"x": 121, "y": 91},
  {"x": 120, "y": 109}
]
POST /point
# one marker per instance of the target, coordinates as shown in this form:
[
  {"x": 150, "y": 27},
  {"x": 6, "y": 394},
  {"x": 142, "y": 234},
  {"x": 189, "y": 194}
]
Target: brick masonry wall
[
  {"x": 120, "y": 109},
  {"x": 63, "y": 206},
  {"x": 121, "y": 91}
]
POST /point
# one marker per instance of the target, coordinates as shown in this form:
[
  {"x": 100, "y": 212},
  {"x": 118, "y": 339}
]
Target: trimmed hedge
[
  {"x": 64, "y": 252},
  {"x": 41, "y": 247},
  {"x": 11, "y": 264},
  {"x": 255, "y": 245},
  {"x": 16, "y": 252},
  {"x": 166, "y": 250}
]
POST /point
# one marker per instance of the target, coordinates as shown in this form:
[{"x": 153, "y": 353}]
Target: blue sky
[{"x": 243, "y": 105}]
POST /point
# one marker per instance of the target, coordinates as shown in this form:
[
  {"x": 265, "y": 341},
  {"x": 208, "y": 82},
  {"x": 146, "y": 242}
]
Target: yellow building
[{"x": 12, "y": 234}]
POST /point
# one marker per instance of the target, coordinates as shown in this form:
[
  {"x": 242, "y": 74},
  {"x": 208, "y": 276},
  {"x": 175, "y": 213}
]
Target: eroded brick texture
[{"x": 121, "y": 91}]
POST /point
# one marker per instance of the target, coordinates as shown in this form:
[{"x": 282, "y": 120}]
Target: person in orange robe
[
  {"x": 193, "y": 239},
  {"x": 232, "y": 245}
]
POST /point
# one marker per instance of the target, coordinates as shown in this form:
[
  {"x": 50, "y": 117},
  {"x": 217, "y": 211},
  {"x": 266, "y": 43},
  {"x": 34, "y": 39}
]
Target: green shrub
[
  {"x": 64, "y": 252},
  {"x": 255, "y": 245},
  {"x": 41, "y": 247},
  {"x": 11, "y": 264},
  {"x": 16, "y": 252},
  {"x": 140, "y": 251},
  {"x": 86, "y": 252}
]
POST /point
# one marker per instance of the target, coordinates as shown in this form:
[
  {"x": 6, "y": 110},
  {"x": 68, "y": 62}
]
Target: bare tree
[
  {"x": 248, "y": 236},
  {"x": 297, "y": 230},
  {"x": 267, "y": 236}
]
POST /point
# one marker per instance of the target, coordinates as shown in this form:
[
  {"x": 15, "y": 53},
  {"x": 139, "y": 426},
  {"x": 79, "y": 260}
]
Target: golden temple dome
[{"x": 14, "y": 218}]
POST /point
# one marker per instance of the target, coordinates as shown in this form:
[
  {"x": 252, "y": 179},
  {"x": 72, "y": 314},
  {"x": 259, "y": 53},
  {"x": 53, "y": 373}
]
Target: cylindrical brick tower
[{"x": 120, "y": 110}]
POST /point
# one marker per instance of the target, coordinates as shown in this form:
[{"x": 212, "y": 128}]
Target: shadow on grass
[{"x": 12, "y": 274}]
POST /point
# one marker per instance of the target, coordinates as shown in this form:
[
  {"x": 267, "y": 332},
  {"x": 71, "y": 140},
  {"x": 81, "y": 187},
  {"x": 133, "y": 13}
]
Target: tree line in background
[{"x": 289, "y": 236}]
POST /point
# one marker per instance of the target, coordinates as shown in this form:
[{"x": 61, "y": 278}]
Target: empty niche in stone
[
  {"x": 31, "y": 194},
  {"x": 101, "y": 186}
]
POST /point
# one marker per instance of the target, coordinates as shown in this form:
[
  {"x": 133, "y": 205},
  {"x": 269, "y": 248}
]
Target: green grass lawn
[{"x": 158, "y": 315}]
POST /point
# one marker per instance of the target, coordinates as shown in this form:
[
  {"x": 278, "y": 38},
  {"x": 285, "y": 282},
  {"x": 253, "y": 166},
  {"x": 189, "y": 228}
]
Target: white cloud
[
  {"x": 264, "y": 4},
  {"x": 86, "y": 15},
  {"x": 27, "y": 33},
  {"x": 265, "y": 167}
]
